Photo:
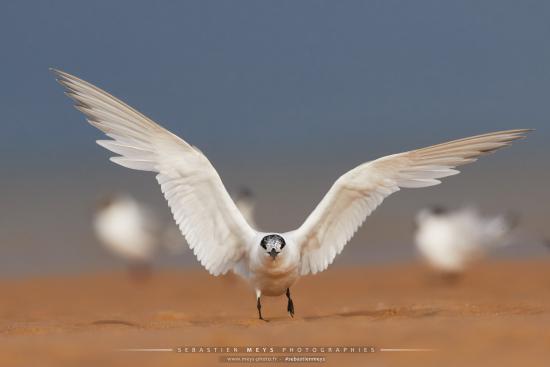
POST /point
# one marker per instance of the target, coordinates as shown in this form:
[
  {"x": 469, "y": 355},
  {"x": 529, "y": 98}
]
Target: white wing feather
[
  {"x": 358, "y": 192},
  {"x": 200, "y": 204}
]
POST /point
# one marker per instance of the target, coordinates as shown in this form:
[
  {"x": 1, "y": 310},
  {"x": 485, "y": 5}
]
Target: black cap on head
[
  {"x": 244, "y": 193},
  {"x": 273, "y": 244},
  {"x": 438, "y": 210},
  {"x": 105, "y": 201}
]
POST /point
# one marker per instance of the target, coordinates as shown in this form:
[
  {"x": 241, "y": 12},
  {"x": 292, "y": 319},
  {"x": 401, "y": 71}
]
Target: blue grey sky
[
  {"x": 279, "y": 74},
  {"x": 283, "y": 95}
]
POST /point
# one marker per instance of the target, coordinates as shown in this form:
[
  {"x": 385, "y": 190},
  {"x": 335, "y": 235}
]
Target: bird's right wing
[
  {"x": 200, "y": 204},
  {"x": 358, "y": 192}
]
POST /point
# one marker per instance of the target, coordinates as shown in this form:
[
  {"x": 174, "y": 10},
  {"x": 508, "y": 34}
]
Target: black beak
[{"x": 273, "y": 253}]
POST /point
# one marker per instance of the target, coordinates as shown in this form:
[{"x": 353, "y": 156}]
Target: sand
[{"x": 496, "y": 314}]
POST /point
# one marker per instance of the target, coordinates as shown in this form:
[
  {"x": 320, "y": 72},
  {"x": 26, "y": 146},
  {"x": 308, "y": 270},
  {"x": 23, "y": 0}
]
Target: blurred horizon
[{"x": 283, "y": 98}]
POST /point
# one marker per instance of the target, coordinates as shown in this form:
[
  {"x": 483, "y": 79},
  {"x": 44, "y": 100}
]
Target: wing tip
[
  {"x": 519, "y": 133},
  {"x": 526, "y": 130},
  {"x": 63, "y": 78},
  {"x": 59, "y": 74}
]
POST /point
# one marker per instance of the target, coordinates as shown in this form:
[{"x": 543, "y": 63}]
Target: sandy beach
[{"x": 498, "y": 313}]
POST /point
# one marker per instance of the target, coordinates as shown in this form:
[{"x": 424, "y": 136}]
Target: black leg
[
  {"x": 259, "y": 306},
  {"x": 290, "y": 307}
]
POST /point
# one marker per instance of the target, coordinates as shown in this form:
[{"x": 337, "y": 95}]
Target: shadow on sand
[{"x": 380, "y": 314}]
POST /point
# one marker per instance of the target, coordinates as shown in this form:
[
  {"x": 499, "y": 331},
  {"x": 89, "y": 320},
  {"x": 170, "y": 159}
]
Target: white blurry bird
[
  {"x": 131, "y": 231},
  {"x": 216, "y": 230},
  {"x": 128, "y": 230},
  {"x": 244, "y": 199},
  {"x": 451, "y": 240}
]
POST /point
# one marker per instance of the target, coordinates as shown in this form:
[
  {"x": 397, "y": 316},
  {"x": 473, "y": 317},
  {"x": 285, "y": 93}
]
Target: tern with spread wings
[{"x": 216, "y": 230}]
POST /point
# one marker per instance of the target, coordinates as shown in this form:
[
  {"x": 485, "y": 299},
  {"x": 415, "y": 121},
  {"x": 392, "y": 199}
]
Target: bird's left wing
[
  {"x": 200, "y": 204},
  {"x": 358, "y": 192}
]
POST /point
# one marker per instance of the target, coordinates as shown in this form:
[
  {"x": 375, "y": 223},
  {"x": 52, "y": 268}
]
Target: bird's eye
[
  {"x": 263, "y": 244},
  {"x": 282, "y": 244}
]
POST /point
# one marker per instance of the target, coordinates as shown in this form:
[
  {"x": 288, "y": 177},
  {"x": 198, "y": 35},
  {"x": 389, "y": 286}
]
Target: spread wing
[
  {"x": 200, "y": 204},
  {"x": 358, "y": 192}
]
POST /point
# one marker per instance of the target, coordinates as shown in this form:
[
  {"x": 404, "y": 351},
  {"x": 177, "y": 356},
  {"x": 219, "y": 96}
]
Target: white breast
[{"x": 273, "y": 277}]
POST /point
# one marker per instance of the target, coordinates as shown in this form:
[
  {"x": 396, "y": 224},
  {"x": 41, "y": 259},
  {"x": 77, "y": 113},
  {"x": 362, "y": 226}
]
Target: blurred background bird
[
  {"x": 450, "y": 240},
  {"x": 132, "y": 232},
  {"x": 246, "y": 202},
  {"x": 129, "y": 230}
]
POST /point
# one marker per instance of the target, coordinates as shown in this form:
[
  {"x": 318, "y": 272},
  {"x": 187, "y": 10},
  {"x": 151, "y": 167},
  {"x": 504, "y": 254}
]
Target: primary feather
[
  {"x": 358, "y": 192},
  {"x": 200, "y": 204}
]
